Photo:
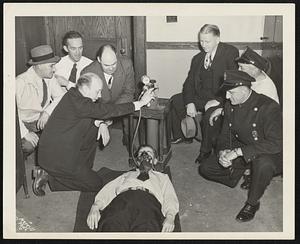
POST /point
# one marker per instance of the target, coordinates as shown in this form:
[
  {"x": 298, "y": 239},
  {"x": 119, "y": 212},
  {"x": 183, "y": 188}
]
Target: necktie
[
  {"x": 45, "y": 93},
  {"x": 110, "y": 82},
  {"x": 72, "y": 77},
  {"x": 207, "y": 61},
  {"x": 143, "y": 176}
]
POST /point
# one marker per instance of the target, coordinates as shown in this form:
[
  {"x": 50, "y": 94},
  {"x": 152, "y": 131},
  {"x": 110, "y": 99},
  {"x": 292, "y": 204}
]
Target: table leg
[
  {"x": 168, "y": 133},
  {"x": 130, "y": 139},
  {"x": 161, "y": 135}
]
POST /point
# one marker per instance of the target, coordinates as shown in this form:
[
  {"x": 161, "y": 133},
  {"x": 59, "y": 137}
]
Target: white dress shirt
[
  {"x": 266, "y": 87},
  {"x": 107, "y": 78},
  {"x": 65, "y": 65},
  {"x": 29, "y": 95},
  {"x": 158, "y": 184}
]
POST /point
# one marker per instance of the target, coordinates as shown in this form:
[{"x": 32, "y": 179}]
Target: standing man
[
  {"x": 118, "y": 76},
  {"x": 251, "y": 137},
  {"x": 68, "y": 69},
  {"x": 37, "y": 94},
  {"x": 200, "y": 88},
  {"x": 68, "y": 144}
]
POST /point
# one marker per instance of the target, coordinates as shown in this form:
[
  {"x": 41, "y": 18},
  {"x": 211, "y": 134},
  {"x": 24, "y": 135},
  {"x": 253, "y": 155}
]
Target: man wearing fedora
[
  {"x": 256, "y": 66},
  {"x": 251, "y": 137},
  {"x": 200, "y": 88},
  {"x": 37, "y": 94}
]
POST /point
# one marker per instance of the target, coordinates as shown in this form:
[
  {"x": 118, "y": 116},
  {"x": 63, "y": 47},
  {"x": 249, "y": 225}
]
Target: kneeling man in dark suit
[
  {"x": 143, "y": 200},
  {"x": 68, "y": 144},
  {"x": 251, "y": 137}
]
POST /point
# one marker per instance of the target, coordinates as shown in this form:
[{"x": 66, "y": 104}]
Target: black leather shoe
[
  {"x": 202, "y": 156},
  {"x": 247, "y": 182},
  {"x": 247, "y": 213},
  {"x": 40, "y": 180},
  {"x": 182, "y": 140}
]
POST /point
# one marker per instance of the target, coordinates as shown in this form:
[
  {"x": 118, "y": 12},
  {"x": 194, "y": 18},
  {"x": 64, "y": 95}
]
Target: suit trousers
[
  {"x": 132, "y": 211},
  {"x": 27, "y": 147},
  {"x": 177, "y": 113},
  {"x": 210, "y": 133},
  {"x": 263, "y": 168}
]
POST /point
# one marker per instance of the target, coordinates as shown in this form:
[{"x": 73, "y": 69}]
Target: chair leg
[{"x": 25, "y": 186}]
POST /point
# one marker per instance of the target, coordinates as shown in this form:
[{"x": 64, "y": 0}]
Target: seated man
[
  {"x": 37, "y": 94},
  {"x": 251, "y": 137},
  {"x": 142, "y": 200},
  {"x": 68, "y": 144},
  {"x": 68, "y": 69},
  {"x": 200, "y": 89}
]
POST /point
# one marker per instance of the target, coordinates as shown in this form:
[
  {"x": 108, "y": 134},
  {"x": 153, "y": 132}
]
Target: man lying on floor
[{"x": 143, "y": 200}]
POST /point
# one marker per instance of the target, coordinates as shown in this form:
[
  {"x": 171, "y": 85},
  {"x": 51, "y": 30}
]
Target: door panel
[{"x": 96, "y": 30}]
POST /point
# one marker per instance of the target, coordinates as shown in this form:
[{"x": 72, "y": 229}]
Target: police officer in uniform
[{"x": 251, "y": 137}]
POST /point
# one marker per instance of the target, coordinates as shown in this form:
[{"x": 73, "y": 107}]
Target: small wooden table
[{"x": 157, "y": 113}]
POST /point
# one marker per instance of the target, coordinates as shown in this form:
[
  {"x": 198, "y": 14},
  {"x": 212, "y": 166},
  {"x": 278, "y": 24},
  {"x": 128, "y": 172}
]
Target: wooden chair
[{"x": 21, "y": 179}]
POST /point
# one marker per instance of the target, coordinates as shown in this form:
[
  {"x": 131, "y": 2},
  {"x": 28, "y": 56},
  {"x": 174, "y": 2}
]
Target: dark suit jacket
[
  {"x": 68, "y": 141},
  {"x": 199, "y": 90},
  {"x": 123, "y": 86},
  {"x": 255, "y": 126}
]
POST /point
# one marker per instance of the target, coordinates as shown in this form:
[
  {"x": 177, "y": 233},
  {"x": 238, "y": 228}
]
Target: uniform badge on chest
[{"x": 255, "y": 135}]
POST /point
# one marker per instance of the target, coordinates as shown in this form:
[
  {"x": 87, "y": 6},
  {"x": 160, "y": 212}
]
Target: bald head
[
  {"x": 107, "y": 57},
  {"x": 90, "y": 85}
]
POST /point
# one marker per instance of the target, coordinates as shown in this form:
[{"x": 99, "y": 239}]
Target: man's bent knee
[{"x": 27, "y": 147}]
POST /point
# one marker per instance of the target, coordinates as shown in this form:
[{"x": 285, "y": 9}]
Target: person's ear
[
  {"x": 65, "y": 48},
  {"x": 98, "y": 59},
  {"x": 86, "y": 90},
  {"x": 155, "y": 161}
]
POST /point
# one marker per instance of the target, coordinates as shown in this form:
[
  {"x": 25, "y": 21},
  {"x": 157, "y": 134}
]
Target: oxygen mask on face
[{"x": 144, "y": 161}]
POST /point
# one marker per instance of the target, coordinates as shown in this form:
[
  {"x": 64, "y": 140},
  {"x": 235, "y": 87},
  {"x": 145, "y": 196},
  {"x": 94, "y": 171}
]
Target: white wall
[{"x": 170, "y": 67}]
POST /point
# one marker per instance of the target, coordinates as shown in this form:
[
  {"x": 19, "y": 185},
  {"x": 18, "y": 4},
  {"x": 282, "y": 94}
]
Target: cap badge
[{"x": 255, "y": 134}]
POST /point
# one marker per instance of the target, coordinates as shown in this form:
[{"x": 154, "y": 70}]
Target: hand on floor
[{"x": 93, "y": 217}]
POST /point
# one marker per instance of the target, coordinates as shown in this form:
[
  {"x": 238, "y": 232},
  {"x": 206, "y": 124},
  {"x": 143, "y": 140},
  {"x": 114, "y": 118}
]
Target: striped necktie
[{"x": 45, "y": 93}]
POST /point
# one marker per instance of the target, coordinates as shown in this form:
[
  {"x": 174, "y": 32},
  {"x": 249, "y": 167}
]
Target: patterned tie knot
[{"x": 207, "y": 61}]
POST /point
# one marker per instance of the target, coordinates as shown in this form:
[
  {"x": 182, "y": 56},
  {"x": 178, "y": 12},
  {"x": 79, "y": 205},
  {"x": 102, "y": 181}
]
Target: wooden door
[
  {"x": 96, "y": 30},
  {"x": 273, "y": 38},
  {"x": 30, "y": 32},
  {"x": 273, "y": 35}
]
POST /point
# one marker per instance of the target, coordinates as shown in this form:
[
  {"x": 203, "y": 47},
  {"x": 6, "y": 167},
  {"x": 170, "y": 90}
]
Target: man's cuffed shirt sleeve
[{"x": 170, "y": 204}]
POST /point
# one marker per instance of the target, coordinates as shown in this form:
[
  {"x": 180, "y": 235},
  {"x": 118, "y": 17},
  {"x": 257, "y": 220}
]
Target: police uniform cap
[
  {"x": 251, "y": 57},
  {"x": 235, "y": 78}
]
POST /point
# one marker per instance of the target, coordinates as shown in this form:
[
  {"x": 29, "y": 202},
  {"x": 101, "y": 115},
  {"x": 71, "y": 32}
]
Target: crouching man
[
  {"x": 142, "y": 200},
  {"x": 251, "y": 137}
]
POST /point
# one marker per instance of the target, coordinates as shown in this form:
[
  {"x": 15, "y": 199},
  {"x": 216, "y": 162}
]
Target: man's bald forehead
[{"x": 108, "y": 53}]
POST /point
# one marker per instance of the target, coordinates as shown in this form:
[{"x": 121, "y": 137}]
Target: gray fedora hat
[
  {"x": 191, "y": 128},
  {"x": 42, "y": 54}
]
